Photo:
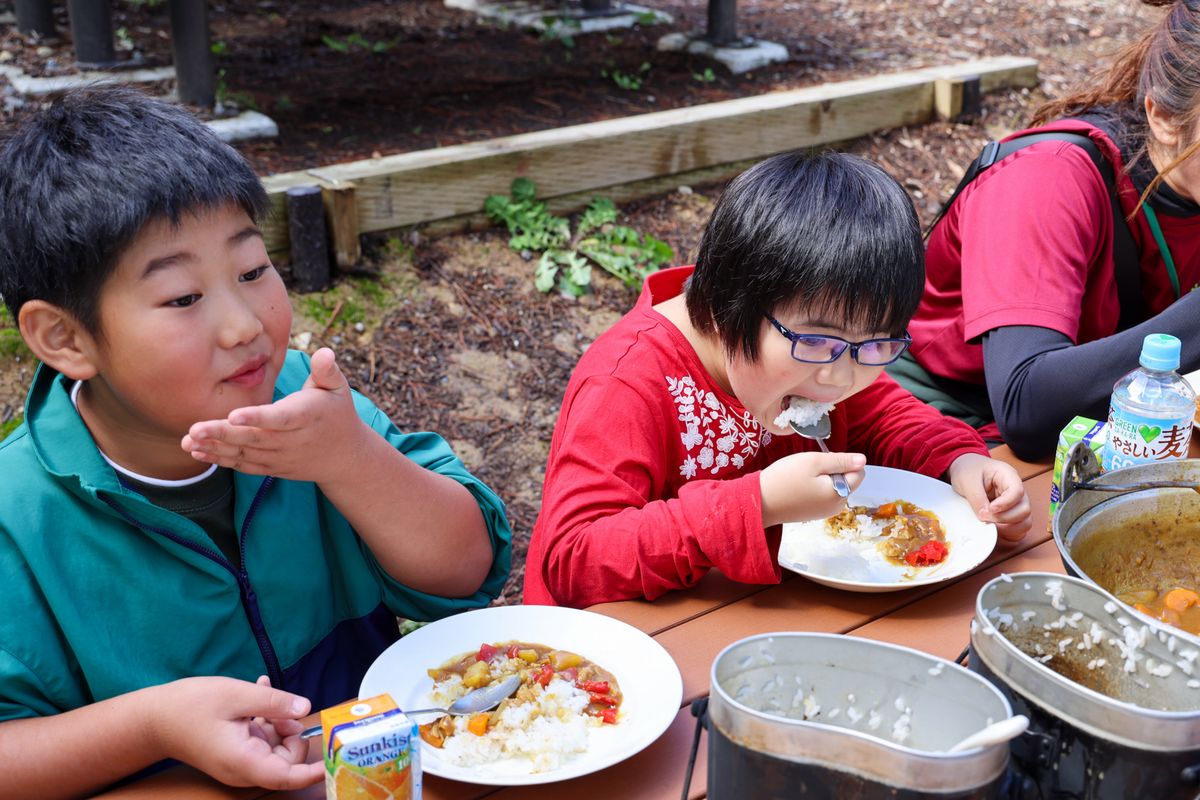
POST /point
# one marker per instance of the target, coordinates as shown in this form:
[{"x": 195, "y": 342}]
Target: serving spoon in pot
[
  {"x": 996, "y": 733},
  {"x": 475, "y": 702},
  {"x": 819, "y": 432}
]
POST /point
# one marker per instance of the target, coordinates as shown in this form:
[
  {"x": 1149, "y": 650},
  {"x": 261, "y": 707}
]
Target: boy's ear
[
  {"x": 1162, "y": 127},
  {"x": 56, "y": 337}
]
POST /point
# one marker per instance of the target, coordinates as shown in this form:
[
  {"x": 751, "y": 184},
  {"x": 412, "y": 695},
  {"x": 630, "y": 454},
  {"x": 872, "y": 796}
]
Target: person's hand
[
  {"x": 308, "y": 435},
  {"x": 242, "y": 734},
  {"x": 995, "y": 492},
  {"x": 798, "y": 487}
]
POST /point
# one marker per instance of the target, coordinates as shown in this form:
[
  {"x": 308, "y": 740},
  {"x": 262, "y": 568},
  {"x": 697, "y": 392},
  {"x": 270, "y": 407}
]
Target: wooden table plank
[
  {"x": 675, "y": 608},
  {"x": 653, "y": 774},
  {"x": 940, "y": 624}
]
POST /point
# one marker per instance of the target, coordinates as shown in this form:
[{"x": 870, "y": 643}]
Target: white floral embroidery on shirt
[{"x": 714, "y": 437}]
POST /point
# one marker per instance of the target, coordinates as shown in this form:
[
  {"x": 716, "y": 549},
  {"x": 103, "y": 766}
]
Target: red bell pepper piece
[{"x": 486, "y": 652}]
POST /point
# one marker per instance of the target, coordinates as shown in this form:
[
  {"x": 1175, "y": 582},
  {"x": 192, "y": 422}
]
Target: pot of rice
[
  {"x": 1113, "y": 697},
  {"x": 827, "y": 716}
]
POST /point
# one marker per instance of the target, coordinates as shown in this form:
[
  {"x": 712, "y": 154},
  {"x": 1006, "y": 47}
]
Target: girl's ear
[
  {"x": 57, "y": 338},
  {"x": 1162, "y": 127}
]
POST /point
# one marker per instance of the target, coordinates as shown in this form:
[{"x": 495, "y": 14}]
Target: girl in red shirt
[
  {"x": 1018, "y": 329},
  {"x": 667, "y": 459}
]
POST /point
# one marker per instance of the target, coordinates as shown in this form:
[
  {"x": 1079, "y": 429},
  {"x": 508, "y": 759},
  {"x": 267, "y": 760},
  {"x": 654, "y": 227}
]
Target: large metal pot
[
  {"x": 1085, "y": 513},
  {"x": 1112, "y": 697},
  {"x": 824, "y": 716}
]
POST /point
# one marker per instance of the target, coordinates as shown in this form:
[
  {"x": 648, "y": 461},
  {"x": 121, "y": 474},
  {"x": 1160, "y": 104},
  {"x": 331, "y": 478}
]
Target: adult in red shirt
[
  {"x": 1017, "y": 331},
  {"x": 668, "y": 459}
]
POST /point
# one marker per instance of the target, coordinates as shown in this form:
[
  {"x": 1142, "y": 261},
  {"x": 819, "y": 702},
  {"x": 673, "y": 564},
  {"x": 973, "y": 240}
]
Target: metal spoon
[
  {"x": 819, "y": 432},
  {"x": 474, "y": 702},
  {"x": 996, "y": 733}
]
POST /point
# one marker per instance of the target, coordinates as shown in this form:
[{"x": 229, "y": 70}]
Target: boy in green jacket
[{"x": 204, "y": 536}]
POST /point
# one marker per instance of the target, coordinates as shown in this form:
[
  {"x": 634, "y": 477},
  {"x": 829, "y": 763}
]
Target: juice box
[
  {"x": 372, "y": 750},
  {"x": 1080, "y": 429}
]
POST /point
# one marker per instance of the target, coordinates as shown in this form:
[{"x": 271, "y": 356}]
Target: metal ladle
[
  {"x": 1083, "y": 469},
  {"x": 475, "y": 702},
  {"x": 819, "y": 432}
]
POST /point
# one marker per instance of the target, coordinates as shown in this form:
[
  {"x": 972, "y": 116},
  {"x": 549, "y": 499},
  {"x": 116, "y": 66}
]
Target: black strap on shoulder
[{"x": 1125, "y": 254}]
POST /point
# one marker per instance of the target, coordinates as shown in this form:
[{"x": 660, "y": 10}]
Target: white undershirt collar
[{"x": 146, "y": 479}]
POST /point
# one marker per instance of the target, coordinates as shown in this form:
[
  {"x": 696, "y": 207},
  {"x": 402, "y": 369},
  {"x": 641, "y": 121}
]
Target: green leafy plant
[
  {"x": 560, "y": 29},
  {"x": 629, "y": 81},
  {"x": 219, "y": 48},
  {"x": 646, "y": 18},
  {"x": 708, "y": 76},
  {"x": 123, "y": 40},
  {"x": 8, "y": 427},
  {"x": 227, "y": 97},
  {"x": 567, "y": 259},
  {"x": 356, "y": 40}
]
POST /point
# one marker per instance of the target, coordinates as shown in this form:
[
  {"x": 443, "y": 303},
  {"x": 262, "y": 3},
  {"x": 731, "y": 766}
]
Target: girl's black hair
[
  {"x": 830, "y": 232},
  {"x": 80, "y": 180}
]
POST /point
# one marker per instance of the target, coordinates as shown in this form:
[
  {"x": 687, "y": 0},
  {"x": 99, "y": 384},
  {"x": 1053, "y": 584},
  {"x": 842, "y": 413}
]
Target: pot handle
[
  {"x": 1081, "y": 467},
  {"x": 700, "y": 712}
]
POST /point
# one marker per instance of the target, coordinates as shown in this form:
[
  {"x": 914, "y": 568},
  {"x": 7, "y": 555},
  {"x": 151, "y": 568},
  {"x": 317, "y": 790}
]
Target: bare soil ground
[{"x": 448, "y": 333}]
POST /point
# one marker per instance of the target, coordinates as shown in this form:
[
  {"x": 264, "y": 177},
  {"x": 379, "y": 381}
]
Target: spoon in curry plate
[
  {"x": 474, "y": 702},
  {"x": 819, "y": 432}
]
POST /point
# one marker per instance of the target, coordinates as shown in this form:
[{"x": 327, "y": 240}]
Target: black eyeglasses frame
[{"x": 905, "y": 342}]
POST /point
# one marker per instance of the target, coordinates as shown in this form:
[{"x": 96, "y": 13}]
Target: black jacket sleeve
[{"x": 1038, "y": 380}]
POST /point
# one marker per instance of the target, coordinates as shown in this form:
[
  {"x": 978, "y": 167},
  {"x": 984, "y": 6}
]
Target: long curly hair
[{"x": 1164, "y": 65}]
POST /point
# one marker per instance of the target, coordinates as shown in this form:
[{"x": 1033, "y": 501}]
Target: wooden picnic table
[{"x": 694, "y": 626}]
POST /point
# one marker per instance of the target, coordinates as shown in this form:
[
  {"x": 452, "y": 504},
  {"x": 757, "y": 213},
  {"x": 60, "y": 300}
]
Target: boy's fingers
[
  {"x": 325, "y": 373},
  {"x": 263, "y": 701}
]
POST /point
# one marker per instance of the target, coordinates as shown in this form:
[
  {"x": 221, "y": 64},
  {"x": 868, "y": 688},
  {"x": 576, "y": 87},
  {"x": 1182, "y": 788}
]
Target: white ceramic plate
[
  {"x": 646, "y": 673},
  {"x": 809, "y": 550}
]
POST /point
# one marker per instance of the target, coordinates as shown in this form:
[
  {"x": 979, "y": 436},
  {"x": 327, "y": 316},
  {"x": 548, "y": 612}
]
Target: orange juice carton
[
  {"x": 372, "y": 750},
  {"x": 1080, "y": 429}
]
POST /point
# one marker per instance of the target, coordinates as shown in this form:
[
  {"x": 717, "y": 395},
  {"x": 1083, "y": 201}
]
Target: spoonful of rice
[
  {"x": 810, "y": 419},
  {"x": 474, "y": 702}
]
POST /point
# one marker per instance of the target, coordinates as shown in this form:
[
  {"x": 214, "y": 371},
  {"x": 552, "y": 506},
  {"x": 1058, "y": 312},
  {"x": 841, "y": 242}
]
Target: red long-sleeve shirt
[{"x": 653, "y": 473}]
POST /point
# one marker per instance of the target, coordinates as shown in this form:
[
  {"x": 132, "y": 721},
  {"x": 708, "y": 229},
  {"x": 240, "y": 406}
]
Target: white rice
[
  {"x": 543, "y": 734},
  {"x": 802, "y": 412}
]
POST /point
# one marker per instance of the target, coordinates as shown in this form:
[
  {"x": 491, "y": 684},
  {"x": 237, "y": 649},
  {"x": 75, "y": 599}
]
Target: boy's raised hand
[
  {"x": 308, "y": 435},
  {"x": 798, "y": 487},
  {"x": 995, "y": 492},
  {"x": 242, "y": 734}
]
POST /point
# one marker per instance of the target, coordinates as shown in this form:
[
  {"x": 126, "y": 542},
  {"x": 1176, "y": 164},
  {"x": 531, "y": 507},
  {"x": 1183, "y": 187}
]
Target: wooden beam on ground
[
  {"x": 447, "y": 182},
  {"x": 341, "y": 211}
]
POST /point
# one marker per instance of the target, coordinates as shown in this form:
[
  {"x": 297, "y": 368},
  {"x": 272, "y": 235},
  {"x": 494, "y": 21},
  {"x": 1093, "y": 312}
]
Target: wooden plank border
[{"x": 450, "y": 182}]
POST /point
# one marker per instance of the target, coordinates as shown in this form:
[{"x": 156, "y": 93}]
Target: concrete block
[
  {"x": 750, "y": 55},
  {"x": 37, "y": 87},
  {"x": 567, "y": 22},
  {"x": 246, "y": 125}
]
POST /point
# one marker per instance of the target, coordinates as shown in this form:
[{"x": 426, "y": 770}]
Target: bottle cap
[{"x": 1160, "y": 351}]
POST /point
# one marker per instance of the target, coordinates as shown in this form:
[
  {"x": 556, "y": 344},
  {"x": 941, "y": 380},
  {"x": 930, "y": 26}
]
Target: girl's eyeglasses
[{"x": 816, "y": 349}]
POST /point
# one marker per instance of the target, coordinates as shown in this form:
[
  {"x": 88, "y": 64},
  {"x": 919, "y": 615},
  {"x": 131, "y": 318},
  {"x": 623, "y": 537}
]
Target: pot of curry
[{"x": 1141, "y": 546}]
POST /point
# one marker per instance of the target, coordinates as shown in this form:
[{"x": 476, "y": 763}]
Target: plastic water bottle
[{"x": 1150, "y": 416}]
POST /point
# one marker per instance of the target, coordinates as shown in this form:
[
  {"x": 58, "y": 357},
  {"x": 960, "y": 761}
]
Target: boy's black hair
[
  {"x": 81, "y": 179},
  {"x": 831, "y": 233}
]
